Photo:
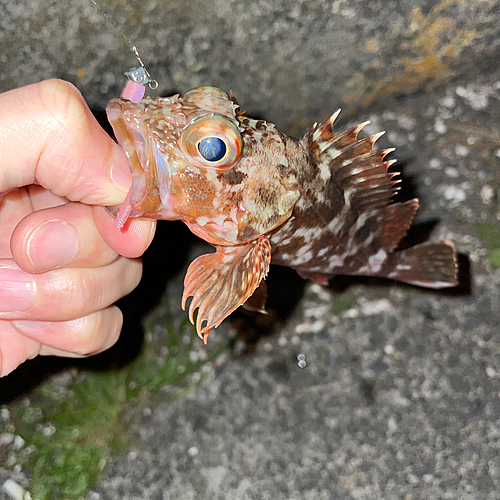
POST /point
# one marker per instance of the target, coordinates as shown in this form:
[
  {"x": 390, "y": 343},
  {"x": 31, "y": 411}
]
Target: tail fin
[{"x": 432, "y": 265}]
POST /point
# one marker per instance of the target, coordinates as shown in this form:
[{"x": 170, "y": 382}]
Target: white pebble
[
  {"x": 440, "y": 127},
  {"x": 451, "y": 172},
  {"x": 448, "y": 101},
  {"x": 6, "y": 438},
  {"x": 406, "y": 122},
  {"x": 15, "y": 490},
  {"x": 392, "y": 425},
  {"x": 389, "y": 349},
  {"x": 487, "y": 194},
  {"x": 18, "y": 442},
  {"x": 453, "y": 193},
  {"x": 435, "y": 163},
  {"x": 462, "y": 151},
  {"x": 193, "y": 451},
  {"x": 475, "y": 100},
  {"x": 48, "y": 430},
  {"x": 370, "y": 308}
]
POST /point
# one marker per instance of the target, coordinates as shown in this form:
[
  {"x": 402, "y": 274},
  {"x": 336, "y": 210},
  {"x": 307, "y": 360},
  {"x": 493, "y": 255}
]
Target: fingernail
[
  {"x": 17, "y": 290},
  {"x": 120, "y": 172},
  {"x": 53, "y": 244}
]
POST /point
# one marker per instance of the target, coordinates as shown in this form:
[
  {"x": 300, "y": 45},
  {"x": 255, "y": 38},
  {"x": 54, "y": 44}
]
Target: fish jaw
[{"x": 149, "y": 196}]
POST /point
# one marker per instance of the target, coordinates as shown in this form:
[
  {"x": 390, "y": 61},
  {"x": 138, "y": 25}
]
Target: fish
[{"x": 322, "y": 204}]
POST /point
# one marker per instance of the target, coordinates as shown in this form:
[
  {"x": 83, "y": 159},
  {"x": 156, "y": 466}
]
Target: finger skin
[
  {"x": 27, "y": 241},
  {"x": 65, "y": 294},
  {"x": 41, "y": 198},
  {"x": 83, "y": 336},
  {"x": 13, "y": 207},
  {"x": 15, "y": 348},
  {"x": 48, "y": 136},
  {"x": 20, "y": 341}
]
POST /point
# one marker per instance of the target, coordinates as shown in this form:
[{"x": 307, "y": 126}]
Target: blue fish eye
[{"x": 212, "y": 148}]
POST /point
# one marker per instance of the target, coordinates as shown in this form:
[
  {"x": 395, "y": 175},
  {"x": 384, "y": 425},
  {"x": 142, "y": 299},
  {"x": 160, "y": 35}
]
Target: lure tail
[{"x": 431, "y": 265}]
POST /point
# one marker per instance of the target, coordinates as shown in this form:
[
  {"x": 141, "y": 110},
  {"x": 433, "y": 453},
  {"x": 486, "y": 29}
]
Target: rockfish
[{"x": 320, "y": 204}]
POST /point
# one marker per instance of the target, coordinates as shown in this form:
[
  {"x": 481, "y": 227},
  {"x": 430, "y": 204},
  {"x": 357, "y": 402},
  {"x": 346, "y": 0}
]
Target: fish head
[{"x": 197, "y": 159}]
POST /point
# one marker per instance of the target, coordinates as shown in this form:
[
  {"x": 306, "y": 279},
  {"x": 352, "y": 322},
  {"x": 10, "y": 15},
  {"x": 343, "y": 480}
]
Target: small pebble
[
  {"x": 18, "y": 442},
  {"x": 15, "y": 490},
  {"x": 487, "y": 194},
  {"x": 435, "y": 163},
  {"x": 193, "y": 451}
]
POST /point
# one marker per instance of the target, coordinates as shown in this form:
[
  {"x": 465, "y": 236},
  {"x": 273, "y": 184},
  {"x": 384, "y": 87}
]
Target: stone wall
[{"x": 290, "y": 62}]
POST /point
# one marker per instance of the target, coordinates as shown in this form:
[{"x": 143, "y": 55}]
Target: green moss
[
  {"x": 91, "y": 424},
  {"x": 343, "y": 303},
  {"x": 489, "y": 234}
]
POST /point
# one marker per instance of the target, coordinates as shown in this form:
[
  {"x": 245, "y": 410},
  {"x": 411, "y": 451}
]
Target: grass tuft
[
  {"x": 69, "y": 439},
  {"x": 489, "y": 234}
]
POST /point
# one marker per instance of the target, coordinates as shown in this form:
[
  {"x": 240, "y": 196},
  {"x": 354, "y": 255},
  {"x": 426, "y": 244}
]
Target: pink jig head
[
  {"x": 136, "y": 85},
  {"x": 134, "y": 91}
]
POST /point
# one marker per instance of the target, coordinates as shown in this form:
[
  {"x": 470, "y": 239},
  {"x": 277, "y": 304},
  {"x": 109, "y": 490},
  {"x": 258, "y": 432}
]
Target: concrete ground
[{"x": 400, "y": 396}]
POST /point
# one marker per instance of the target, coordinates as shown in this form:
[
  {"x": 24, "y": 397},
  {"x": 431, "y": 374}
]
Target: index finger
[{"x": 48, "y": 136}]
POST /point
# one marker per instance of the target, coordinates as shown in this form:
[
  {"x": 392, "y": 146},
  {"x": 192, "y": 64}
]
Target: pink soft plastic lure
[{"x": 320, "y": 204}]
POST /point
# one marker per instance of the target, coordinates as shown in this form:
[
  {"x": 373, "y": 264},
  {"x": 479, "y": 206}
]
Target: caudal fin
[{"x": 432, "y": 265}]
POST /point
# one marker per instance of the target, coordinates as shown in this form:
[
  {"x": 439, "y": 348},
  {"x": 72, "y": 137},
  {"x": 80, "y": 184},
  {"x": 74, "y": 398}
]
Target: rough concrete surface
[
  {"x": 400, "y": 395},
  {"x": 400, "y": 398}
]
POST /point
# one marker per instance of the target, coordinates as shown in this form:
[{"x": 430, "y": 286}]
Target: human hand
[{"x": 62, "y": 262}]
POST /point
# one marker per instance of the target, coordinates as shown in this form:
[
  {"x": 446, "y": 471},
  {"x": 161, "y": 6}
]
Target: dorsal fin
[
  {"x": 397, "y": 221},
  {"x": 319, "y": 137},
  {"x": 361, "y": 172}
]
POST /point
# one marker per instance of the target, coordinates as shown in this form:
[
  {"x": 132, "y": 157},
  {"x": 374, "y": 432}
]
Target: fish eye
[
  {"x": 212, "y": 142},
  {"x": 212, "y": 148}
]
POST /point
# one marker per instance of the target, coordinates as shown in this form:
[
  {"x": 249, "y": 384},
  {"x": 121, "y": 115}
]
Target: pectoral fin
[
  {"x": 222, "y": 281},
  {"x": 257, "y": 301}
]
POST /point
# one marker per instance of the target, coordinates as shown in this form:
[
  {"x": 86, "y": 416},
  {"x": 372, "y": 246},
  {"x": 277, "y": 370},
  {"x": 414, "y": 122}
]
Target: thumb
[{"x": 48, "y": 136}]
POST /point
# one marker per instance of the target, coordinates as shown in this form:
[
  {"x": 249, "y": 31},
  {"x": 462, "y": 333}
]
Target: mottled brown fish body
[{"x": 320, "y": 205}]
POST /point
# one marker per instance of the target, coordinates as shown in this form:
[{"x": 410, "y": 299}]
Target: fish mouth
[{"x": 149, "y": 196}]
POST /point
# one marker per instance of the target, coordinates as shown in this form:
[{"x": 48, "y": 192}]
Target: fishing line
[{"x": 139, "y": 75}]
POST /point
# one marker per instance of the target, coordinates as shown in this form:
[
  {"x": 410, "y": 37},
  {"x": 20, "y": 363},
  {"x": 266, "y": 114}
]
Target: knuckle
[
  {"x": 89, "y": 335},
  {"x": 99, "y": 331},
  {"x": 134, "y": 273},
  {"x": 62, "y": 99}
]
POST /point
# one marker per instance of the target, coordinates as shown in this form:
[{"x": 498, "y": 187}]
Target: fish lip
[{"x": 149, "y": 169}]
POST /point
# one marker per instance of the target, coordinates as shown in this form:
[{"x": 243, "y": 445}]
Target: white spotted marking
[
  {"x": 336, "y": 261},
  {"x": 360, "y": 222},
  {"x": 376, "y": 261},
  {"x": 325, "y": 173},
  {"x": 335, "y": 224},
  {"x": 323, "y": 251},
  {"x": 302, "y": 259}
]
